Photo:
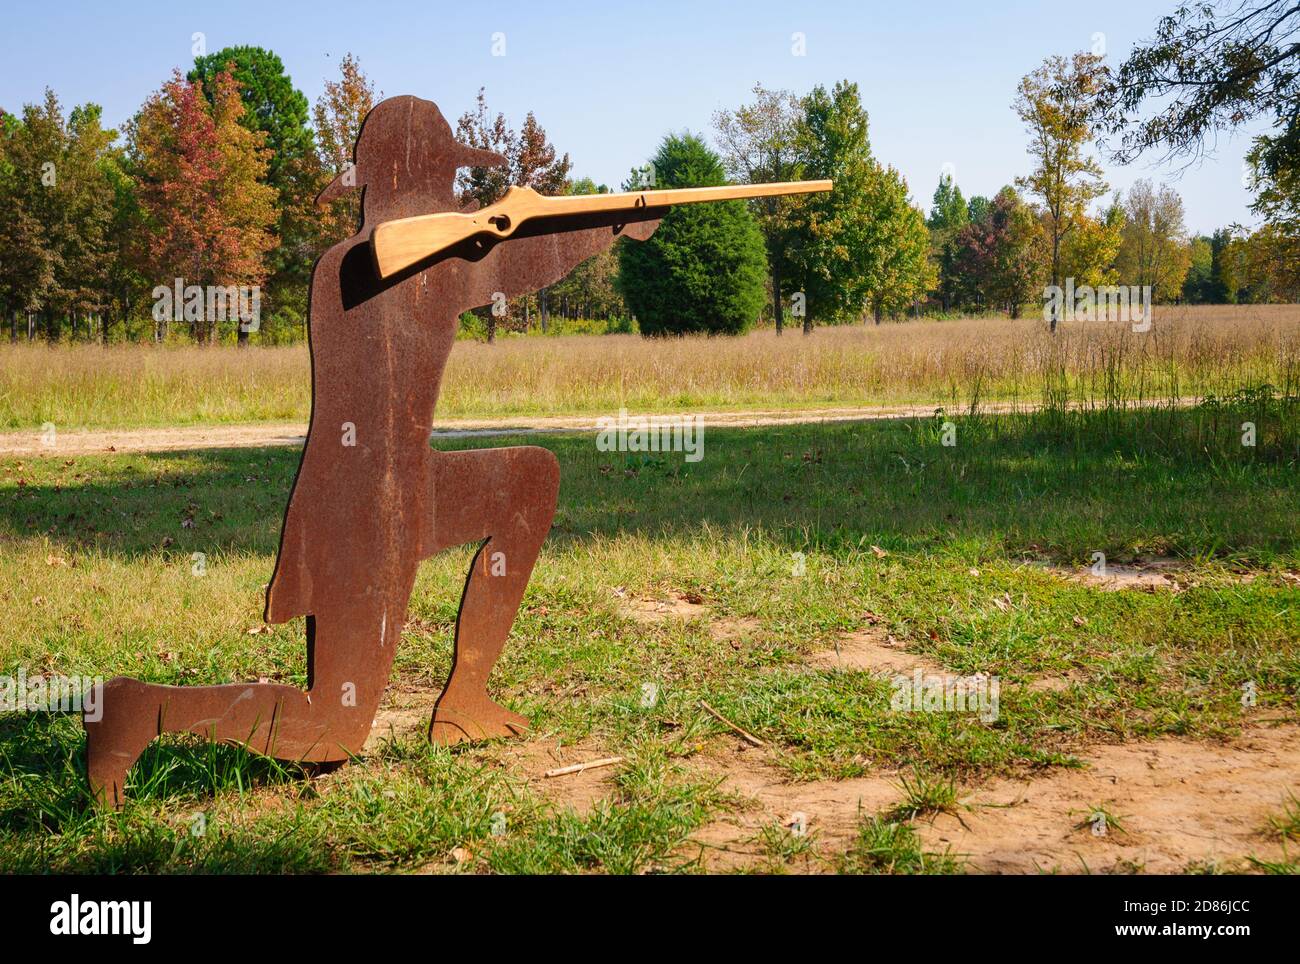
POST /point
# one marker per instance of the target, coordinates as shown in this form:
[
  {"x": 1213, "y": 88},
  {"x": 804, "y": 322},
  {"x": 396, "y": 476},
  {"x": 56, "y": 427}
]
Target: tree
[
  {"x": 948, "y": 210},
  {"x": 58, "y": 202},
  {"x": 1209, "y": 68},
  {"x": 1089, "y": 251},
  {"x": 1153, "y": 248},
  {"x": 124, "y": 282},
  {"x": 703, "y": 270},
  {"x": 27, "y": 268},
  {"x": 1196, "y": 285},
  {"x": 1225, "y": 273},
  {"x": 841, "y": 252},
  {"x": 760, "y": 143},
  {"x": 337, "y": 118},
  {"x": 1000, "y": 253},
  {"x": 88, "y": 199},
  {"x": 1270, "y": 260},
  {"x": 949, "y": 213},
  {"x": 273, "y": 106},
  {"x": 1054, "y": 102},
  {"x": 200, "y": 172},
  {"x": 1212, "y": 68},
  {"x": 531, "y": 161},
  {"x": 905, "y": 272}
]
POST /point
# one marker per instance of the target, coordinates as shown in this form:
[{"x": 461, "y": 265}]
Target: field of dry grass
[{"x": 1189, "y": 352}]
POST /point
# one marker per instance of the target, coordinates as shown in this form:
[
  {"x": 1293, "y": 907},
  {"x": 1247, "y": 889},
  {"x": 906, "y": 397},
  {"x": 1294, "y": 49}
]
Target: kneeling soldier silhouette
[{"x": 372, "y": 499}]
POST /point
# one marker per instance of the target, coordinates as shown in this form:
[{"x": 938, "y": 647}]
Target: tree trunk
[
  {"x": 1056, "y": 274},
  {"x": 491, "y": 327},
  {"x": 877, "y": 311},
  {"x": 777, "y": 311},
  {"x": 542, "y": 307}
]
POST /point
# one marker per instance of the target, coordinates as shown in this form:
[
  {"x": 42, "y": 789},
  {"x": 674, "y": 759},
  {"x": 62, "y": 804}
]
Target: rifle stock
[{"x": 399, "y": 244}]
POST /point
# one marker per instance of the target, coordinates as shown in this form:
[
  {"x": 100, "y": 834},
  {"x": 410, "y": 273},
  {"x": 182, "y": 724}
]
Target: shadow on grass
[
  {"x": 1176, "y": 481},
  {"x": 48, "y": 825},
  {"x": 43, "y": 774}
]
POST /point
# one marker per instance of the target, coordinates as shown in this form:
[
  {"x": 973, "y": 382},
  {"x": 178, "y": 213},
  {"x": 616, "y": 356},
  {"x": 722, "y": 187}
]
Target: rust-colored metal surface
[{"x": 371, "y": 499}]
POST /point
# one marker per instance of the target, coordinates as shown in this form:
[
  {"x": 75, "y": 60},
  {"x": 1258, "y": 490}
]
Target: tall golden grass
[{"x": 1188, "y": 352}]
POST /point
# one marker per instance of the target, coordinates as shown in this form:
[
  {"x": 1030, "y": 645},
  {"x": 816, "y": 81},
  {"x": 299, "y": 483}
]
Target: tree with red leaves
[
  {"x": 207, "y": 214},
  {"x": 1000, "y": 253}
]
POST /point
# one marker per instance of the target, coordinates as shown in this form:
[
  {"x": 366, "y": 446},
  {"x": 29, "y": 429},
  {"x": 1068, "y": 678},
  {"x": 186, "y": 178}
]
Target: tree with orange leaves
[{"x": 207, "y": 214}]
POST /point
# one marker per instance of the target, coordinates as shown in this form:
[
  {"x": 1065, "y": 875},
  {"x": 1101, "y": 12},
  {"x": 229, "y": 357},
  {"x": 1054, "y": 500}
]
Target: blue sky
[{"x": 607, "y": 80}]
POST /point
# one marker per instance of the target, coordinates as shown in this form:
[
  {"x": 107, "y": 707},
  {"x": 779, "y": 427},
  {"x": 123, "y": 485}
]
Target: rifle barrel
[{"x": 401, "y": 243}]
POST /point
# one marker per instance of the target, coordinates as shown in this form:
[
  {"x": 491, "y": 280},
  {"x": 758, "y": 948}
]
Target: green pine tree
[{"x": 704, "y": 269}]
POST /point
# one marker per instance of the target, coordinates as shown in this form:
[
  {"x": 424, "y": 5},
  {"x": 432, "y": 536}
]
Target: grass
[
  {"x": 924, "y": 795},
  {"x": 892, "y": 847},
  {"x": 1286, "y": 824},
  {"x": 1190, "y": 352},
  {"x": 98, "y": 578}
]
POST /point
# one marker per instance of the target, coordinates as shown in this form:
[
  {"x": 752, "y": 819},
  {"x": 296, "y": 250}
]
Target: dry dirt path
[{"x": 254, "y": 435}]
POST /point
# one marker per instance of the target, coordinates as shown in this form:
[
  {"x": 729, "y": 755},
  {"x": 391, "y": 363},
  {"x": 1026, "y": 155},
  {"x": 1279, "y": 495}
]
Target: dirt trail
[
  {"x": 1180, "y": 804},
  {"x": 169, "y": 438}
]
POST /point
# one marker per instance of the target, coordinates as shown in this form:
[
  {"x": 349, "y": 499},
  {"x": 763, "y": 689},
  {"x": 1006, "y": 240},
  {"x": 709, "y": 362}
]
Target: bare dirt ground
[
  {"x": 1179, "y": 804},
  {"x": 1171, "y": 805},
  {"x": 1148, "y": 575},
  {"x": 165, "y": 439}
]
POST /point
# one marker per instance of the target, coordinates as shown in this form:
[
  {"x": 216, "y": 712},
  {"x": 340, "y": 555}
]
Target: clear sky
[{"x": 607, "y": 80}]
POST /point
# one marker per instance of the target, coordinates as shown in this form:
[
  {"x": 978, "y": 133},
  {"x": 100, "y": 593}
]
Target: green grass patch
[{"x": 773, "y": 532}]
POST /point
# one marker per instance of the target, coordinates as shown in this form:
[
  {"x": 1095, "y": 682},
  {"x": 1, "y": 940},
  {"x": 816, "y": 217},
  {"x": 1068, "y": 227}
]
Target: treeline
[
  {"x": 1000, "y": 253},
  {"x": 213, "y": 181}
]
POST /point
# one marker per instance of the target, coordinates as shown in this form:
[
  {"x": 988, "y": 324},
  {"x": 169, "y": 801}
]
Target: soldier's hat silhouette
[{"x": 405, "y": 159}]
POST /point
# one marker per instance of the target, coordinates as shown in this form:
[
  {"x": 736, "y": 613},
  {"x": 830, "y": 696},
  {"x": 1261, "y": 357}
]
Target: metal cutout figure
[{"x": 371, "y": 498}]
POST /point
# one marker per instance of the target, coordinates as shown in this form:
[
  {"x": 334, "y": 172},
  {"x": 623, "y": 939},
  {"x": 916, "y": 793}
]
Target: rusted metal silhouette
[{"x": 371, "y": 498}]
